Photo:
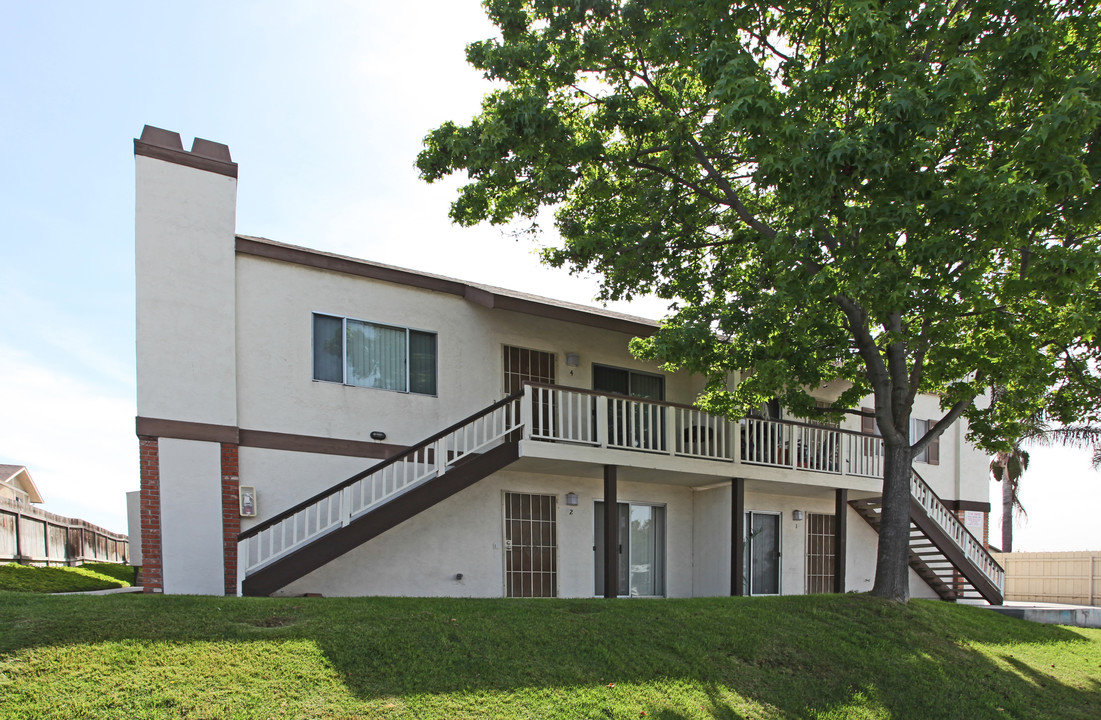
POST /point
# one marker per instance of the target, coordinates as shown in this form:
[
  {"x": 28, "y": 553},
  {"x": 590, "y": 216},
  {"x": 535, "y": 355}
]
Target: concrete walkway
[
  {"x": 108, "y": 591},
  {"x": 1051, "y": 613}
]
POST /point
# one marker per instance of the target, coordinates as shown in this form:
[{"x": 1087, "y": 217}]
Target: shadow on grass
[{"x": 804, "y": 656}]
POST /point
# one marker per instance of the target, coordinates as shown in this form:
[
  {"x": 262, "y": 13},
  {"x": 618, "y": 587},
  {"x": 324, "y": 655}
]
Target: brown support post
[
  {"x": 611, "y": 534},
  {"x": 18, "y": 538},
  {"x": 737, "y": 537},
  {"x": 840, "y": 533}
]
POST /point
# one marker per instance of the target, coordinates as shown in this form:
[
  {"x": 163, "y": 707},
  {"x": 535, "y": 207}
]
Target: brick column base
[
  {"x": 231, "y": 515},
  {"x": 150, "y": 576}
]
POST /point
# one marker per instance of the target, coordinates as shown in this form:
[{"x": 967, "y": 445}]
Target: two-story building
[{"x": 312, "y": 423}]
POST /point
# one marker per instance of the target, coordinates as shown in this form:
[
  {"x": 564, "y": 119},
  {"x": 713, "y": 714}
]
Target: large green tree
[{"x": 903, "y": 195}]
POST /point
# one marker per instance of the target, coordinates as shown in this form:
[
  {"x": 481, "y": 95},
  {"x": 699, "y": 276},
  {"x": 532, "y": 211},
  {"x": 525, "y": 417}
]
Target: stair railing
[
  {"x": 946, "y": 519},
  {"x": 342, "y": 503}
]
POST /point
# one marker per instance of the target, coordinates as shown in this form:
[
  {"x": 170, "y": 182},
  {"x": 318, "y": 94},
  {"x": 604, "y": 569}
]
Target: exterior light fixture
[
  {"x": 571, "y": 498},
  {"x": 573, "y": 359},
  {"x": 796, "y": 515},
  {"x": 378, "y": 435}
]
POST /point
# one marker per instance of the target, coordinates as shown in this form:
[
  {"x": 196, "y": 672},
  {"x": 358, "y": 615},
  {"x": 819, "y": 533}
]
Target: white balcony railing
[
  {"x": 947, "y": 520},
  {"x": 343, "y": 503},
  {"x": 569, "y": 415}
]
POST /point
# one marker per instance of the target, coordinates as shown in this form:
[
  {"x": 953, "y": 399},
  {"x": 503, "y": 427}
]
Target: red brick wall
[
  {"x": 150, "y": 576},
  {"x": 231, "y": 515}
]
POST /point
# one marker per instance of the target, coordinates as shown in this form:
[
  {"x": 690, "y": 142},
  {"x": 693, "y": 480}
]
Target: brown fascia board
[
  {"x": 166, "y": 145},
  {"x": 481, "y": 295}
]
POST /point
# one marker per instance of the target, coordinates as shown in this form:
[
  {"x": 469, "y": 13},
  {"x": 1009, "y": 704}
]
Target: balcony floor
[{"x": 577, "y": 460}]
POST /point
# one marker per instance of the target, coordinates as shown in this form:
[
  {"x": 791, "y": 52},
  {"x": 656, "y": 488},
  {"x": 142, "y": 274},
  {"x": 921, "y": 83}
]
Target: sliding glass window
[{"x": 365, "y": 354}]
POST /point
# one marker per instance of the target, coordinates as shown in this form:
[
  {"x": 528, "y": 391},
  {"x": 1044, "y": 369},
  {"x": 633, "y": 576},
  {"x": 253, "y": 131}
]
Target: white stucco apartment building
[{"x": 311, "y": 423}]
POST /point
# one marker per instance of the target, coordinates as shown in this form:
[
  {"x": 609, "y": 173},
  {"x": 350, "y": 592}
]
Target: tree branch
[{"x": 941, "y": 425}]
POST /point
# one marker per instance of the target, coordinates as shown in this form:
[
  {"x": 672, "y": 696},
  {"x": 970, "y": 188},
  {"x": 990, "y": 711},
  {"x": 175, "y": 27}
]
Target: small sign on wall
[
  {"x": 248, "y": 501},
  {"x": 973, "y": 518}
]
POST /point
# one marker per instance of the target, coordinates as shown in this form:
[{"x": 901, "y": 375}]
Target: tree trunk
[
  {"x": 892, "y": 570},
  {"x": 1007, "y": 512}
]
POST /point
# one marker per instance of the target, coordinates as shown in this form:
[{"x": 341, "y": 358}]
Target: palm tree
[{"x": 1008, "y": 467}]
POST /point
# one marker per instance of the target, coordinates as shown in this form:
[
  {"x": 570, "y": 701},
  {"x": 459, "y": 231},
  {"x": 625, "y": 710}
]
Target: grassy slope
[
  {"x": 825, "y": 656},
  {"x": 27, "y": 578}
]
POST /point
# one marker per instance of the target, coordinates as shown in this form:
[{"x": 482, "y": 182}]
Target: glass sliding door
[{"x": 641, "y": 550}]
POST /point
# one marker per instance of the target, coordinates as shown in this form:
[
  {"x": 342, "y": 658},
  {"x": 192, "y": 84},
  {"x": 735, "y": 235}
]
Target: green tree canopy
[{"x": 903, "y": 195}]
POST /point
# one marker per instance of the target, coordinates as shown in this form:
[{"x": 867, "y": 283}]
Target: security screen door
[
  {"x": 531, "y": 545},
  {"x": 641, "y": 562},
  {"x": 762, "y": 547}
]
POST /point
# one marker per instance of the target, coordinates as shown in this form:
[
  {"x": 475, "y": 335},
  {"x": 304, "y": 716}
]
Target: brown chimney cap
[
  {"x": 166, "y": 145},
  {"x": 161, "y": 138},
  {"x": 211, "y": 149}
]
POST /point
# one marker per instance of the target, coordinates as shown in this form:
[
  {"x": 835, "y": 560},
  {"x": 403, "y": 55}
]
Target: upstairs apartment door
[{"x": 523, "y": 365}]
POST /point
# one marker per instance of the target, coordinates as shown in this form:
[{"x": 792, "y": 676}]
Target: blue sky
[{"x": 323, "y": 105}]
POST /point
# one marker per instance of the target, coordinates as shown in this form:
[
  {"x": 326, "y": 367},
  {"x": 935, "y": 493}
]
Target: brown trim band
[
  {"x": 322, "y": 446},
  {"x": 967, "y": 505},
  {"x": 184, "y": 430},
  {"x": 188, "y": 159},
  {"x": 475, "y": 295},
  {"x": 263, "y": 439}
]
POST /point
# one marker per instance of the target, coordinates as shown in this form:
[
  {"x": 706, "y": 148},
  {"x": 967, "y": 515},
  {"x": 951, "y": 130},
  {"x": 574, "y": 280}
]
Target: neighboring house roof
[
  {"x": 17, "y": 476},
  {"x": 485, "y": 295}
]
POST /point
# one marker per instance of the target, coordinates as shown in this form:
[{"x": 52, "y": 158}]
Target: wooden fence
[
  {"x": 33, "y": 536},
  {"x": 1057, "y": 577}
]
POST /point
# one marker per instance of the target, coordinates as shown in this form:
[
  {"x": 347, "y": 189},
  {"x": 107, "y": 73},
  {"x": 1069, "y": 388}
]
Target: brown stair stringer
[
  {"x": 943, "y": 543},
  {"x": 954, "y": 554},
  {"x": 327, "y": 548}
]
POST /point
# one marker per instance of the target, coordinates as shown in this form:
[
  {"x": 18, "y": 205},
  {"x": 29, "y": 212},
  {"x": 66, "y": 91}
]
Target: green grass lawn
[
  {"x": 848, "y": 656},
  {"x": 90, "y": 576}
]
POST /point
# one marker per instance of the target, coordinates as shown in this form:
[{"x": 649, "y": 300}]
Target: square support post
[
  {"x": 737, "y": 537},
  {"x": 611, "y": 533},
  {"x": 840, "y": 533}
]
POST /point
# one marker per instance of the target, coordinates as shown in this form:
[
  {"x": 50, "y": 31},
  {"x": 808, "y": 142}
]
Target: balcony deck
[{"x": 568, "y": 431}]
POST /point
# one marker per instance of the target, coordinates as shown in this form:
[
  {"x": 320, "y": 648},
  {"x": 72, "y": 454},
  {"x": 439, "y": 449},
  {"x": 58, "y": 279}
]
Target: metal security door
[{"x": 531, "y": 545}]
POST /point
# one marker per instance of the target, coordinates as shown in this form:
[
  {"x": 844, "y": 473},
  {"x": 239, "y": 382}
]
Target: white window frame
[{"x": 344, "y": 352}]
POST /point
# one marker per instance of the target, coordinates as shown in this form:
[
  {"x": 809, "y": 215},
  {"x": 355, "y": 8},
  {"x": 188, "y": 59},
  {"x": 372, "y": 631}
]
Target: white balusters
[
  {"x": 351, "y": 499},
  {"x": 971, "y": 546}
]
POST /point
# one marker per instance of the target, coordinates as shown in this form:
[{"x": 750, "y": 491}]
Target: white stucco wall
[
  {"x": 276, "y": 305},
  {"x": 191, "y": 517},
  {"x": 711, "y": 541},
  {"x": 186, "y": 337},
  {"x": 133, "y": 525},
  {"x": 465, "y": 533}
]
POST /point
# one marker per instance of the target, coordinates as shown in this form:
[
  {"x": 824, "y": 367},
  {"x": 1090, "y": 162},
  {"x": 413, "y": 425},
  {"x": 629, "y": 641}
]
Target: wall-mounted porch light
[
  {"x": 573, "y": 359},
  {"x": 571, "y": 498},
  {"x": 797, "y": 515}
]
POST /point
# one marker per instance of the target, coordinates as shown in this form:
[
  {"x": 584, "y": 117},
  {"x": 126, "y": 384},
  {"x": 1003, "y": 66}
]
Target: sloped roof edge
[
  {"x": 18, "y": 475},
  {"x": 484, "y": 295}
]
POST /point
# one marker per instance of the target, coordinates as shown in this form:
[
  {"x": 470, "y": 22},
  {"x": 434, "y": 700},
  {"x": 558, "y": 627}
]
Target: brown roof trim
[
  {"x": 348, "y": 266},
  {"x": 184, "y": 430},
  {"x": 166, "y": 145},
  {"x": 483, "y": 296}
]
